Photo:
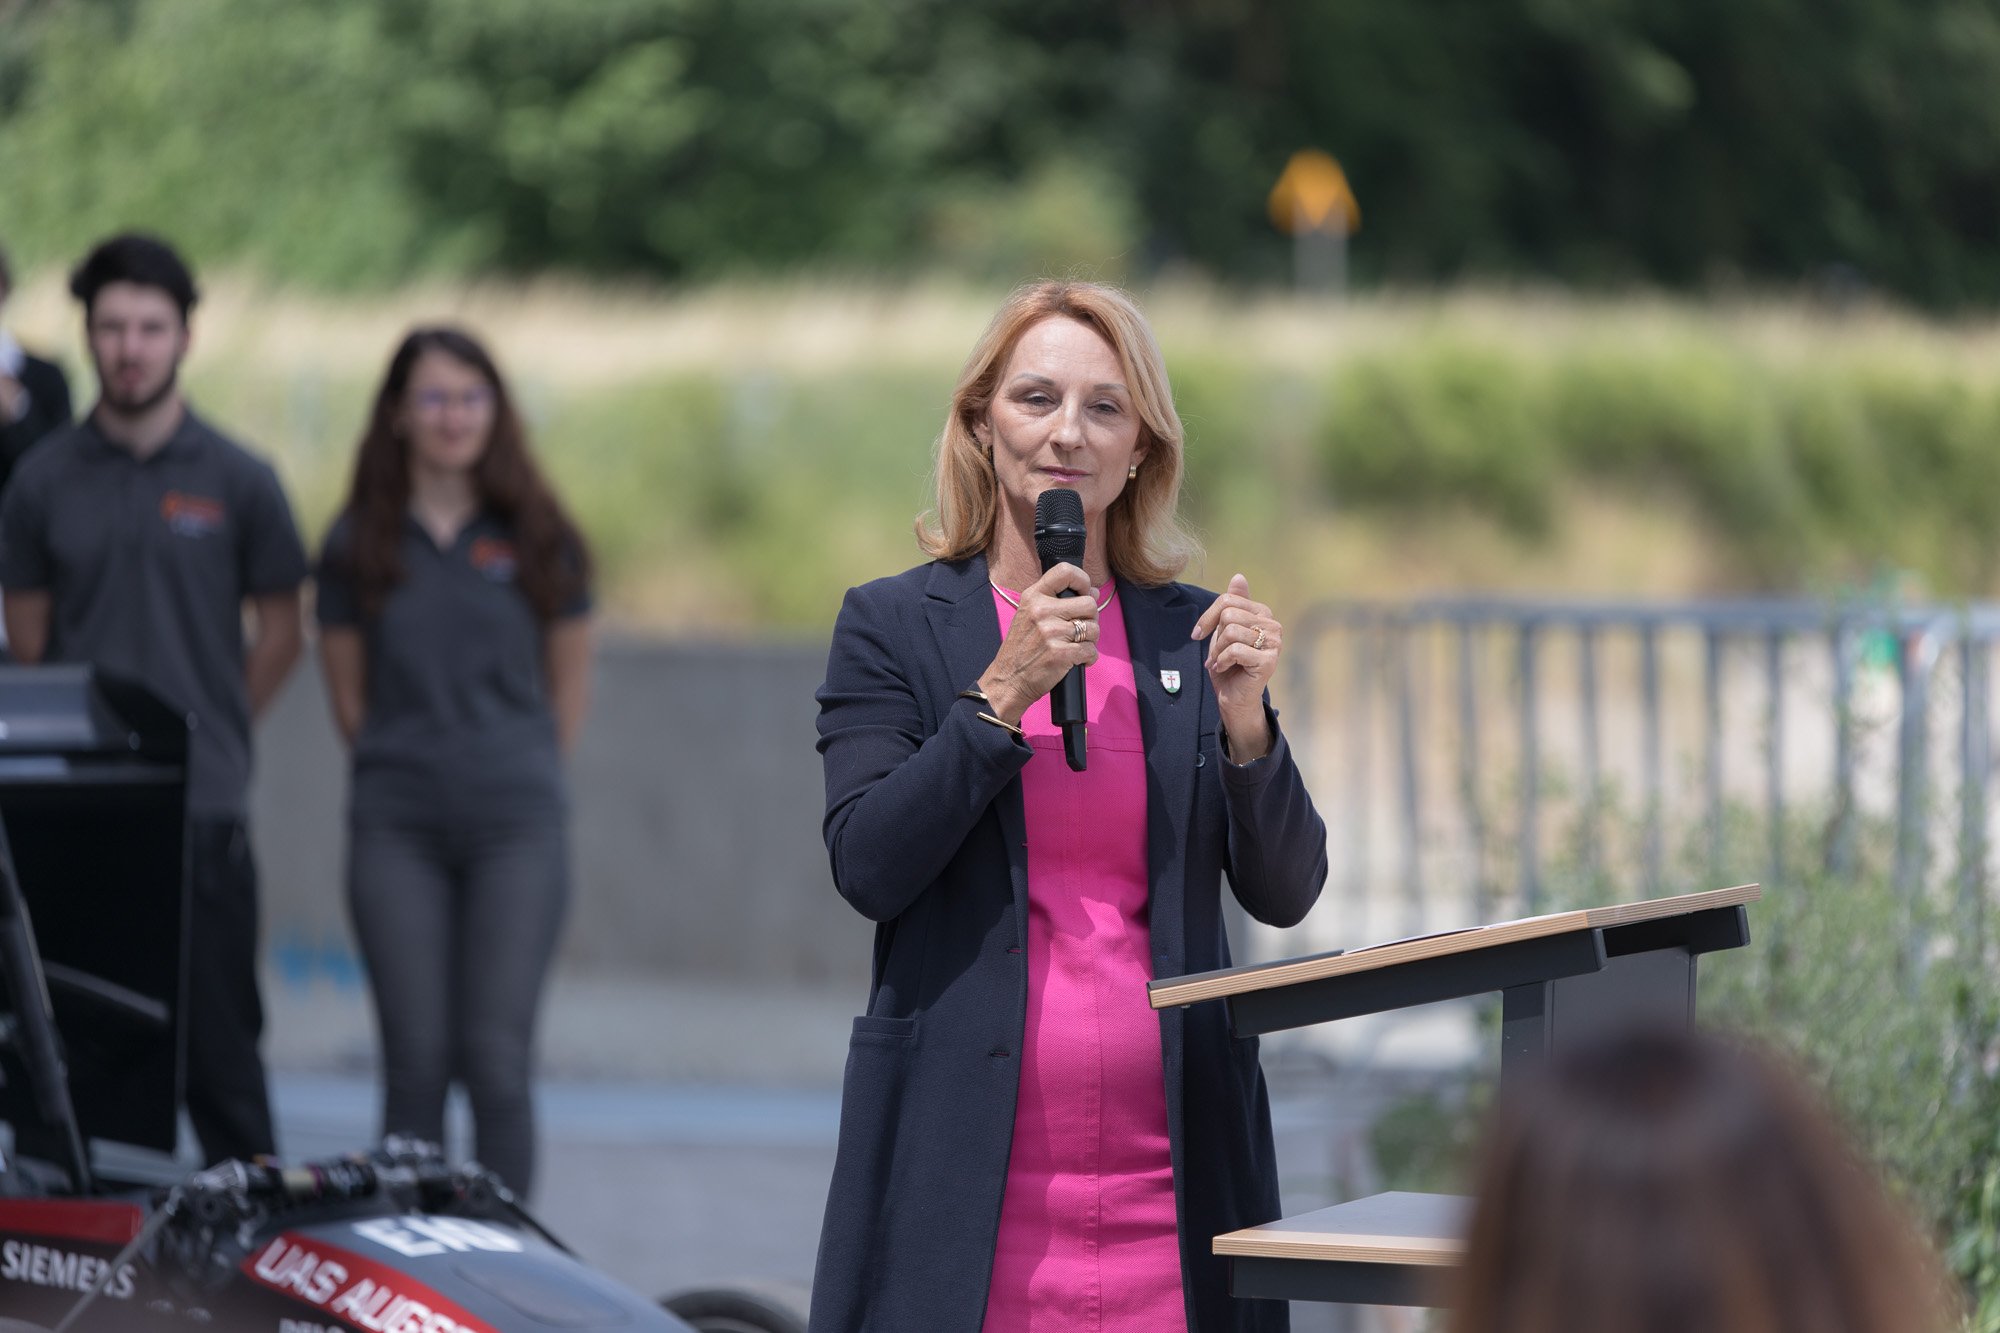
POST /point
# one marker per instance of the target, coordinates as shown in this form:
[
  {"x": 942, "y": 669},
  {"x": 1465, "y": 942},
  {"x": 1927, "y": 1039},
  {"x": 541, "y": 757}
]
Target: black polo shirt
[
  {"x": 458, "y": 723},
  {"x": 147, "y": 563}
]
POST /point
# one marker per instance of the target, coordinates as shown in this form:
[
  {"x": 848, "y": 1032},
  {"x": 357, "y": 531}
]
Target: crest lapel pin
[{"x": 1170, "y": 681}]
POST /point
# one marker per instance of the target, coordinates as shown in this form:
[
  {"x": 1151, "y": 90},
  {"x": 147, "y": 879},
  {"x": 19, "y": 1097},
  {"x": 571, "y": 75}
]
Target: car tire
[{"x": 756, "y": 1307}]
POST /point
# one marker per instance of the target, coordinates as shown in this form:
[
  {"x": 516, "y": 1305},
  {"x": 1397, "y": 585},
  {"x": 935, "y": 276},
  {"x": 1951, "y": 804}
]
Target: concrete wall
[{"x": 696, "y": 796}]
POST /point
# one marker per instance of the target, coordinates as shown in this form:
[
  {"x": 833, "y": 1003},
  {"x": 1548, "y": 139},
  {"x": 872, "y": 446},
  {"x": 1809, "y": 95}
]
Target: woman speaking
[{"x": 1024, "y": 1145}]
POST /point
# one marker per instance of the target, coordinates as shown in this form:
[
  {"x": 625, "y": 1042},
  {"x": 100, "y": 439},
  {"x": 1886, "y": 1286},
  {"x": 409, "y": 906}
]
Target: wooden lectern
[{"x": 1563, "y": 978}]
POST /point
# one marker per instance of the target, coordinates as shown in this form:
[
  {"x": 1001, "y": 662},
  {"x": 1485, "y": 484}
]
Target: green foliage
[
  {"x": 1426, "y": 1141},
  {"x": 1888, "y": 999},
  {"x": 1446, "y": 423},
  {"x": 1845, "y": 144},
  {"x": 1062, "y": 210},
  {"x": 246, "y": 131},
  {"x": 1802, "y": 467},
  {"x": 748, "y": 500},
  {"x": 1884, "y": 998},
  {"x": 1975, "y": 1247},
  {"x": 359, "y": 141}
]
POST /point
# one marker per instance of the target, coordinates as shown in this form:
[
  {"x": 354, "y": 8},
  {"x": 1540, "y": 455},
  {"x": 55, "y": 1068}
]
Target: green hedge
[{"x": 1800, "y": 468}]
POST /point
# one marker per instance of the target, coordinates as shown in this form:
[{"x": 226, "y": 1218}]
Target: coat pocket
[
  {"x": 851, "y": 1256},
  {"x": 872, "y": 1029}
]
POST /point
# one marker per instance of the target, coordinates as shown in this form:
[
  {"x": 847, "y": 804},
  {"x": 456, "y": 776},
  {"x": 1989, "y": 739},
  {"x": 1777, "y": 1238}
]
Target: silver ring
[
  {"x": 1259, "y": 642},
  {"x": 1076, "y": 631}
]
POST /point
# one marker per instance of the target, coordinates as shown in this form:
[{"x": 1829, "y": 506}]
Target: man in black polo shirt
[
  {"x": 34, "y": 396},
  {"x": 134, "y": 540}
]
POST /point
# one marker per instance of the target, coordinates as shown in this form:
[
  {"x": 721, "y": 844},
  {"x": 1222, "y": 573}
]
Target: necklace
[{"x": 1012, "y": 601}]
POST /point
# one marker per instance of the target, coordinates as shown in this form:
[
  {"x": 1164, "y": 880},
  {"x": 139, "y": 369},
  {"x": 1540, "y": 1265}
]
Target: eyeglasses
[{"x": 431, "y": 402}]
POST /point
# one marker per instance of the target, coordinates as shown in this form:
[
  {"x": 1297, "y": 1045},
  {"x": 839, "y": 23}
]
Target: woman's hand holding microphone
[{"x": 1050, "y": 634}]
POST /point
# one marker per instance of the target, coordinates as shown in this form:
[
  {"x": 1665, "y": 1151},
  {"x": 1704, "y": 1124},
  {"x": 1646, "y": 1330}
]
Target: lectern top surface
[
  {"x": 1200, "y": 986},
  {"x": 1395, "y": 1228}
]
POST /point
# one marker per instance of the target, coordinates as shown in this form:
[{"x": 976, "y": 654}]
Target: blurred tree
[
  {"x": 243, "y": 130},
  {"x": 697, "y": 136},
  {"x": 690, "y": 136},
  {"x": 1680, "y": 141},
  {"x": 1845, "y": 142}
]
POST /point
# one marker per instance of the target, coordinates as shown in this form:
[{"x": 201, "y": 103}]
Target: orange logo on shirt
[
  {"x": 191, "y": 515},
  {"x": 494, "y": 558}
]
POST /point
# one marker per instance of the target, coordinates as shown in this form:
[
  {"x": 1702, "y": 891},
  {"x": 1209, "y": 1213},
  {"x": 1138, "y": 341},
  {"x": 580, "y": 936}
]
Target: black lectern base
[{"x": 1335, "y": 1283}]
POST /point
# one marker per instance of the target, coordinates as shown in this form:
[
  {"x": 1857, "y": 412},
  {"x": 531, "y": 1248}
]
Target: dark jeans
[
  {"x": 227, "y": 1098},
  {"x": 457, "y": 926}
]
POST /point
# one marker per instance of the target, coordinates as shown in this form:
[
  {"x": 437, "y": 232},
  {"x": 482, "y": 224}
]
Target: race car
[
  {"x": 100, "y": 1232},
  {"x": 391, "y": 1240}
]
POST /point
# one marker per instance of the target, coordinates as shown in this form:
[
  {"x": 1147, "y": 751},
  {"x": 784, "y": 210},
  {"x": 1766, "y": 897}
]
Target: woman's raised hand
[
  {"x": 1050, "y": 634},
  {"x": 1244, "y": 640}
]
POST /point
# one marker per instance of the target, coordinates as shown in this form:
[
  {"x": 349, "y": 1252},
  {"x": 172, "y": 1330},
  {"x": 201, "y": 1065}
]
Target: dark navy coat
[{"x": 925, "y": 827}]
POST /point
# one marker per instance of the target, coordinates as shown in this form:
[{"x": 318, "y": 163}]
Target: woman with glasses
[{"x": 454, "y": 600}]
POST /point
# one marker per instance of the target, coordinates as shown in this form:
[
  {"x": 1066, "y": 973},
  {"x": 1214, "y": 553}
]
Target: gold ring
[
  {"x": 1076, "y": 631},
  {"x": 1259, "y": 642}
]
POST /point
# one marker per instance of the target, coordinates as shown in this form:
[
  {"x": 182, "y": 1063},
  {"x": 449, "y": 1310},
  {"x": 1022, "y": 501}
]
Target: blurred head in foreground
[{"x": 1673, "y": 1182}]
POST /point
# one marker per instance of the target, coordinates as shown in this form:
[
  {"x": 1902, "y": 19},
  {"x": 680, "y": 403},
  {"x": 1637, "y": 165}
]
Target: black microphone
[{"x": 1059, "y": 540}]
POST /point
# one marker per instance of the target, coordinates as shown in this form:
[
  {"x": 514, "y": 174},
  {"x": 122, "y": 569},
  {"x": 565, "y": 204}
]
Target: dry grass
[
  {"x": 583, "y": 335},
  {"x": 607, "y": 373}
]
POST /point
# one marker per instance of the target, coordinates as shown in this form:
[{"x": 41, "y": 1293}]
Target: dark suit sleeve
[
  {"x": 57, "y": 388},
  {"x": 48, "y": 411},
  {"x": 1277, "y": 841},
  {"x": 898, "y": 802},
  {"x": 24, "y": 534}
]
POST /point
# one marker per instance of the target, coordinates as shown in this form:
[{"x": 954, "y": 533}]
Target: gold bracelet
[
  {"x": 1019, "y": 735},
  {"x": 975, "y": 693}
]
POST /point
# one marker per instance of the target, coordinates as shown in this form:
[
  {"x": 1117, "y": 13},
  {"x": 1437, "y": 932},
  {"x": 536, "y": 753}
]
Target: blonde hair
[{"x": 1144, "y": 537}]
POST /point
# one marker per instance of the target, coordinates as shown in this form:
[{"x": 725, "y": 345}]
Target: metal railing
[{"x": 1459, "y": 730}]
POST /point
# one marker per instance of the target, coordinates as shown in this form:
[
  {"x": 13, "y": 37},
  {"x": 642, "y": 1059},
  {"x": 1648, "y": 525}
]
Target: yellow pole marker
[{"x": 1313, "y": 203}]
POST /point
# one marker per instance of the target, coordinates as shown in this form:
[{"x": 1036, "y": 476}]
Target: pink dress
[{"x": 1088, "y": 1237}]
